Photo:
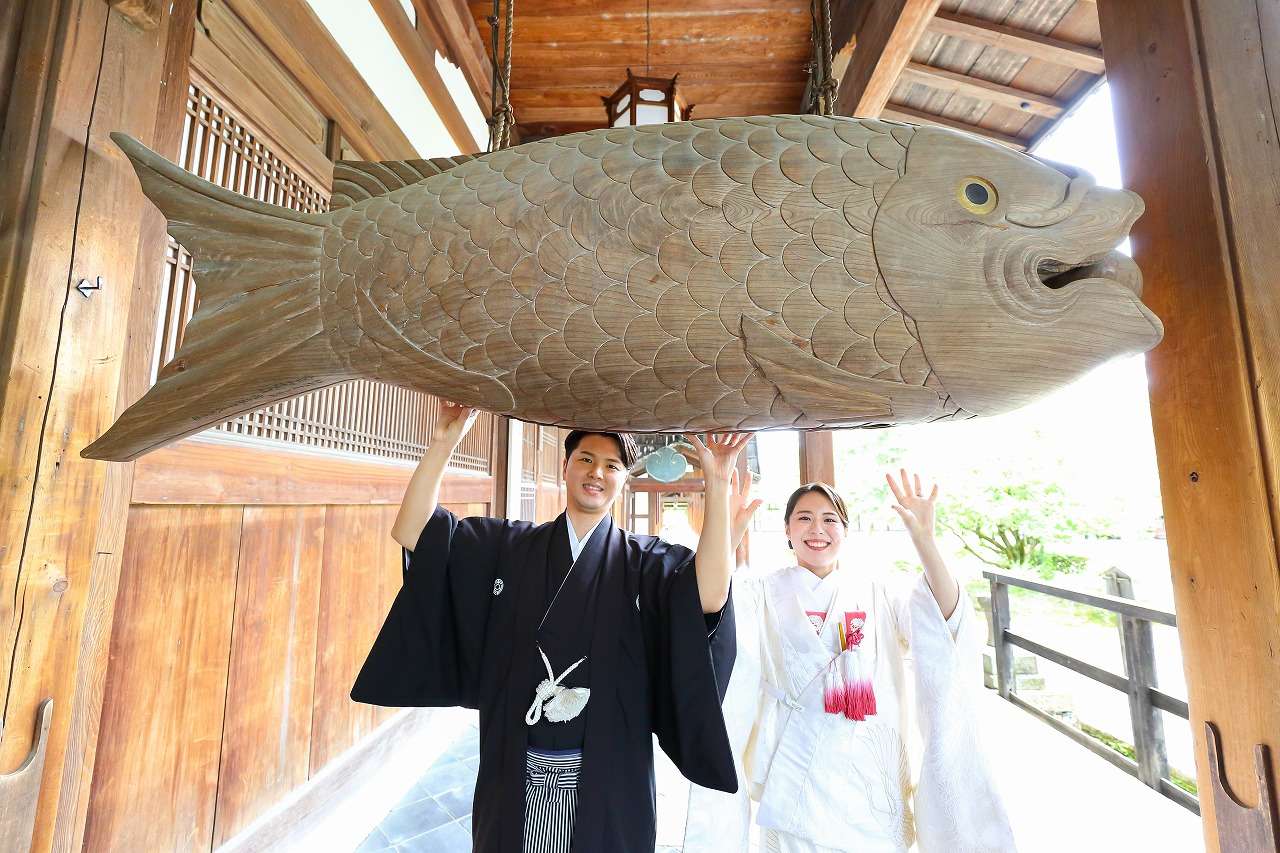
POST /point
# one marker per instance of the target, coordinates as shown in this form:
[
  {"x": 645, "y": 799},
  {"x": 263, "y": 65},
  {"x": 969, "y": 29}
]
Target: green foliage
[
  {"x": 1009, "y": 518},
  {"x": 1126, "y": 749},
  {"x": 1019, "y": 524}
]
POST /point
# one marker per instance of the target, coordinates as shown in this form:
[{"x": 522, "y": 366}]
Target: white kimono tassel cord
[{"x": 561, "y": 703}]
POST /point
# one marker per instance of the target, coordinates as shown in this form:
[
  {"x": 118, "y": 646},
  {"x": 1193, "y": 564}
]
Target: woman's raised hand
[
  {"x": 741, "y": 507},
  {"x": 916, "y": 510}
]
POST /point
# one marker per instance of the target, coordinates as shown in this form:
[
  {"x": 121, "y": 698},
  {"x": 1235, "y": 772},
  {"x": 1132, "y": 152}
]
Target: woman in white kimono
[{"x": 819, "y": 703}]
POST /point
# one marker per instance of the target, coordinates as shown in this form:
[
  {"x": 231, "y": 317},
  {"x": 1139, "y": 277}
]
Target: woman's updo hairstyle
[{"x": 827, "y": 492}]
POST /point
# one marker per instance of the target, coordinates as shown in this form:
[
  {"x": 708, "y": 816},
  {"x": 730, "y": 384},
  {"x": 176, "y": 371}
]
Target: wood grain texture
[
  {"x": 207, "y": 472},
  {"x": 303, "y": 820},
  {"x": 460, "y": 40},
  {"x": 817, "y": 458},
  {"x": 716, "y": 274},
  {"x": 567, "y": 53},
  {"x": 1022, "y": 62},
  {"x": 77, "y": 772},
  {"x": 266, "y": 733},
  {"x": 143, "y": 13},
  {"x": 20, "y": 789},
  {"x": 1242, "y": 829},
  {"x": 360, "y": 575},
  {"x": 297, "y": 38},
  {"x": 1014, "y": 40},
  {"x": 82, "y": 71},
  {"x": 234, "y": 86},
  {"x": 162, "y": 717},
  {"x": 231, "y": 60},
  {"x": 1183, "y": 77},
  {"x": 421, "y": 62},
  {"x": 996, "y": 93},
  {"x": 896, "y": 112},
  {"x": 11, "y": 16},
  {"x": 883, "y": 48}
]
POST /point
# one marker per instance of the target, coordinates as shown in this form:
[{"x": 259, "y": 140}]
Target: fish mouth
[
  {"x": 1112, "y": 266},
  {"x": 1041, "y": 281}
]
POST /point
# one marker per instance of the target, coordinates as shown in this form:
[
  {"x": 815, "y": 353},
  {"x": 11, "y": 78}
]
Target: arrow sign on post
[{"x": 84, "y": 286}]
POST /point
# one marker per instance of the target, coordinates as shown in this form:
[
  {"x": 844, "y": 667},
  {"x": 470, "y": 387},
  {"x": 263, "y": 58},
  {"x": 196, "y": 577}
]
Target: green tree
[
  {"x": 862, "y": 465},
  {"x": 1020, "y": 524}
]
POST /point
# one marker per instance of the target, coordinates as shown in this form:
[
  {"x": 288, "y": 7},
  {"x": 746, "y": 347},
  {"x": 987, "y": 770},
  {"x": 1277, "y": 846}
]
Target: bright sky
[{"x": 360, "y": 34}]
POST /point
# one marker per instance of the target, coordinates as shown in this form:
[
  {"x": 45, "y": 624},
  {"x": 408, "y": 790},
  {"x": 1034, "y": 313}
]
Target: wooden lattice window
[
  {"x": 360, "y": 417},
  {"x": 549, "y": 465}
]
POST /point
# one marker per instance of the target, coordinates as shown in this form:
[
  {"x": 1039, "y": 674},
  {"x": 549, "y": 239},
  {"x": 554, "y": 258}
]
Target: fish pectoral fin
[
  {"x": 826, "y": 393},
  {"x": 822, "y": 392}
]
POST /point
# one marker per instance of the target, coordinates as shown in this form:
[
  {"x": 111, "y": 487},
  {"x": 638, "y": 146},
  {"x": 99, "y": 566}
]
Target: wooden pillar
[
  {"x": 1196, "y": 89},
  {"x": 817, "y": 458},
  {"x": 71, "y": 212},
  {"x": 499, "y": 465}
]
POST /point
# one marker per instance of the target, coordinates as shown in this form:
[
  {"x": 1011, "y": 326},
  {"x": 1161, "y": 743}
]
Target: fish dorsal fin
[{"x": 357, "y": 180}]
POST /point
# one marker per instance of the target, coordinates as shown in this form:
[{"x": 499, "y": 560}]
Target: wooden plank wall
[
  {"x": 69, "y": 209},
  {"x": 238, "y": 633},
  {"x": 141, "y": 637}
]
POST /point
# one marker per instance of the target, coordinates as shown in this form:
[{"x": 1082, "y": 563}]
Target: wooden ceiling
[
  {"x": 734, "y": 57},
  {"x": 1005, "y": 69}
]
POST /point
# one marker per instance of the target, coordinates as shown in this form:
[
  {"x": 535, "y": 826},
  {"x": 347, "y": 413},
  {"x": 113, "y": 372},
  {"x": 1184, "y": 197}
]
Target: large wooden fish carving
[{"x": 743, "y": 273}]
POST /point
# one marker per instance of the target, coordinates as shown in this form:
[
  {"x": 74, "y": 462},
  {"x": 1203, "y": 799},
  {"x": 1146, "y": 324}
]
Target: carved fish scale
[
  {"x": 773, "y": 271},
  {"x": 604, "y": 277}
]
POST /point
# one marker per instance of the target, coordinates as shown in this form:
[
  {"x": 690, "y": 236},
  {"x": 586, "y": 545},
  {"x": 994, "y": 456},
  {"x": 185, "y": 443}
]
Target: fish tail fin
[{"x": 257, "y": 334}]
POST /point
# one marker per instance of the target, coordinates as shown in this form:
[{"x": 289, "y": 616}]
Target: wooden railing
[{"x": 1138, "y": 683}]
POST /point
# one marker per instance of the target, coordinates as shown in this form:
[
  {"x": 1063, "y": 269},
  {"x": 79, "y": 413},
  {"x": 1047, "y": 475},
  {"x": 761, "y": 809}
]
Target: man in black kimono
[{"x": 575, "y": 640}]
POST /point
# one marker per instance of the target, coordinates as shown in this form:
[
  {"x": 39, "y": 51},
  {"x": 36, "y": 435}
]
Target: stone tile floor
[
  {"x": 435, "y": 815},
  {"x": 1060, "y": 797}
]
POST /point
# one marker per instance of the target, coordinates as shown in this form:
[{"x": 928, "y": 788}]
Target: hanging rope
[
  {"x": 502, "y": 118},
  {"x": 822, "y": 86}
]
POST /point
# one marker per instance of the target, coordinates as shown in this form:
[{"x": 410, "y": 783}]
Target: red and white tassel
[
  {"x": 833, "y": 694},
  {"x": 860, "y": 695}
]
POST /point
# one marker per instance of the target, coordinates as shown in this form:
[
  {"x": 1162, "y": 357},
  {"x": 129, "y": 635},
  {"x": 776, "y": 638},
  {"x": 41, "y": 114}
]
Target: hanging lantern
[
  {"x": 667, "y": 464},
  {"x": 645, "y": 100}
]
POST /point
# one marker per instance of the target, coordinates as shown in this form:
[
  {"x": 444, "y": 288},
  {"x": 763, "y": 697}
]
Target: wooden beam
[
  {"x": 594, "y": 116},
  {"x": 422, "y": 62},
  {"x": 984, "y": 90},
  {"x": 883, "y": 47},
  {"x": 199, "y": 471},
  {"x": 817, "y": 457},
  {"x": 901, "y": 112},
  {"x": 293, "y": 33},
  {"x": 135, "y": 377},
  {"x": 680, "y": 486},
  {"x": 144, "y": 13},
  {"x": 1197, "y": 106},
  {"x": 1021, "y": 42},
  {"x": 259, "y": 110},
  {"x": 461, "y": 42}
]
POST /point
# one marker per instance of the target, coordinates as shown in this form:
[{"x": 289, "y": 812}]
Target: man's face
[{"x": 594, "y": 474}]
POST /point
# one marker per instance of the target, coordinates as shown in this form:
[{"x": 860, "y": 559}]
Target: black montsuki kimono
[{"x": 464, "y": 631}]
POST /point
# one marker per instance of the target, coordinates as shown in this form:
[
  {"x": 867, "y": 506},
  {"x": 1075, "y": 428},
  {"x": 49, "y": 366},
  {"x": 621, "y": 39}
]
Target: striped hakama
[{"x": 550, "y": 799}]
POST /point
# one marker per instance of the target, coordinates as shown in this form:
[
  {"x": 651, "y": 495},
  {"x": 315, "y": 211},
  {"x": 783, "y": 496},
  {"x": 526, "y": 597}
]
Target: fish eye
[{"x": 977, "y": 195}]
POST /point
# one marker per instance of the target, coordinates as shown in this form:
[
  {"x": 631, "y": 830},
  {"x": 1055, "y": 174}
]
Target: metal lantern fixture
[{"x": 645, "y": 100}]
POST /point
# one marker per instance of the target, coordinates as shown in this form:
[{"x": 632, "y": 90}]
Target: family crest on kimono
[
  {"x": 833, "y": 663},
  {"x": 575, "y": 640}
]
